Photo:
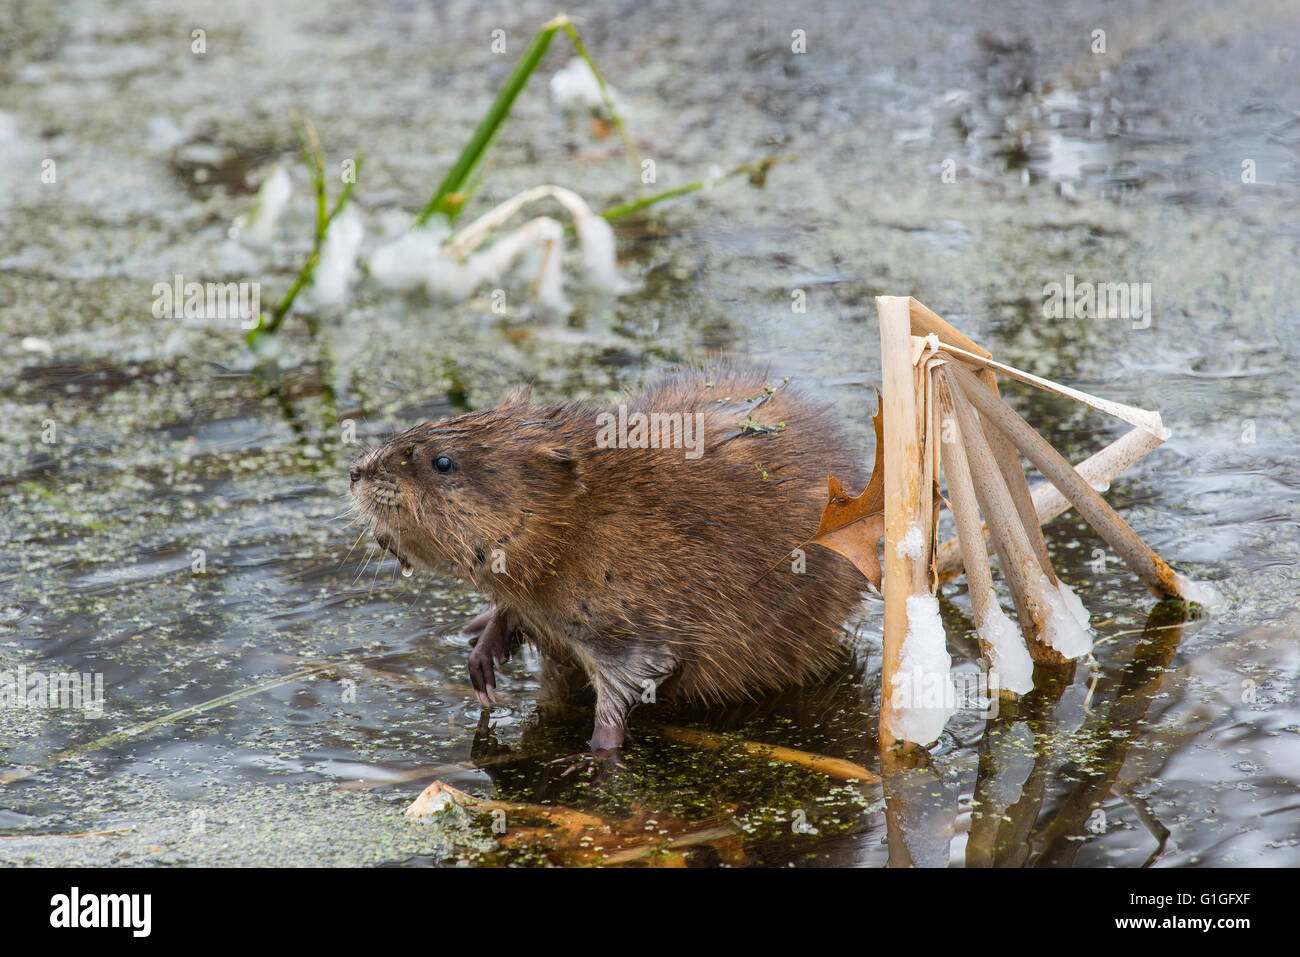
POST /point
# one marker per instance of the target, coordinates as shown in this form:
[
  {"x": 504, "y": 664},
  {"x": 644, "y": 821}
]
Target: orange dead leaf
[{"x": 853, "y": 526}]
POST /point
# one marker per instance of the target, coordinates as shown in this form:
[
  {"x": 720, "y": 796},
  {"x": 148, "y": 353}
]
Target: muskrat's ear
[{"x": 559, "y": 468}]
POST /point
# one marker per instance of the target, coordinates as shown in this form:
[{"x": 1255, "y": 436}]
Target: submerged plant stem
[{"x": 78, "y": 751}]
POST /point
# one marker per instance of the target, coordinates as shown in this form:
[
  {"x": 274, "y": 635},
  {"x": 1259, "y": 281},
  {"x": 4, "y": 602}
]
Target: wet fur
[{"x": 640, "y": 566}]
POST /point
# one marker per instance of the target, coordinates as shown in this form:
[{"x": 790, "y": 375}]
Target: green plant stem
[
  {"x": 316, "y": 170},
  {"x": 324, "y": 217},
  {"x": 755, "y": 171},
  {"x": 448, "y": 198},
  {"x": 581, "y": 49}
]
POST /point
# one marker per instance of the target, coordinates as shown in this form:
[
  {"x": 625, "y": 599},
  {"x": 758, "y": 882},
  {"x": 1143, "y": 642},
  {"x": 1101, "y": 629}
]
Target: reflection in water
[
  {"x": 1022, "y": 754},
  {"x": 1018, "y": 834},
  {"x": 1044, "y": 774}
]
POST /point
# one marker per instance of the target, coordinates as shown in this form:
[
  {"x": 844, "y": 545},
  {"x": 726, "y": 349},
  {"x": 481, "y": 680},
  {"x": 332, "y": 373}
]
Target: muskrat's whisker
[
  {"x": 353, "y": 546},
  {"x": 364, "y": 565},
  {"x": 401, "y": 562},
  {"x": 374, "y": 579},
  {"x": 379, "y": 563},
  {"x": 360, "y": 571},
  {"x": 350, "y": 510}
]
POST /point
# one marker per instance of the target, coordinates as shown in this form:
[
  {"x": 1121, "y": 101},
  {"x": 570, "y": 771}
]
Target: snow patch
[
  {"x": 257, "y": 229},
  {"x": 1007, "y": 649},
  {"x": 1203, "y": 593},
  {"x": 913, "y": 544},
  {"x": 923, "y": 694},
  {"x": 1068, "y": 630},
  {"x": 575, "y": 89},
  {"x": 337, "y": 268},
  {"x": 544, "y": 237},
  {"x": 409, "y": 260},
  {"x": 599, "y": 261}
]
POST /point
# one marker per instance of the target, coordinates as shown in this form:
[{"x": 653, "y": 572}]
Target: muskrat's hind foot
[
  {"x": 607, "y": 736},
  {"x": 492, "y": 648},
  {"x": 604, "y": 753},
  {"x": 588, "y": 763}
]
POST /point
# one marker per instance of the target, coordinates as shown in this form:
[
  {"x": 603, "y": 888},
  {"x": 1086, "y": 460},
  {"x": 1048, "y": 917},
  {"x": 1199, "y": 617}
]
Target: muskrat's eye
[{"x": 443, "y": 464}]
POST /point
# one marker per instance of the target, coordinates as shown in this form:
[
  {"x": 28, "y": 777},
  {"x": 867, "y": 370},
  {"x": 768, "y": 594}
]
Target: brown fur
[{"x": 640, "y": 566}]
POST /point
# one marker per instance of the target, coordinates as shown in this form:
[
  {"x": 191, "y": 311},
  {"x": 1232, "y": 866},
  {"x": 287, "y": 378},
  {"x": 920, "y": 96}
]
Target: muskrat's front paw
[
  {"x": 492, "y": 648},
  {"x": 482, "y": 675}
]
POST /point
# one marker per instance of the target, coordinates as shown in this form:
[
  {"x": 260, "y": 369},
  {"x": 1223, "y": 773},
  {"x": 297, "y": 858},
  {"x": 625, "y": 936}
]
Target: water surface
[{"x": 964, "y": 154}]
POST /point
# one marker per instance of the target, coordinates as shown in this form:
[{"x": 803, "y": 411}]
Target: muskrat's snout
[
  {"x": 445, "y": 493},
  {"x": 386, "y": 487},
  {"x": 364, "y": 466},
  {"x": 369, "y": 483},
  {"x": 374, "y": 493},
  {"x": 376, "y": 496}
]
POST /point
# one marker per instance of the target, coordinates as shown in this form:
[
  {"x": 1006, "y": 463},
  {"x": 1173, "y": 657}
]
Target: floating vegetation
[{"x": 450, "y": 264}]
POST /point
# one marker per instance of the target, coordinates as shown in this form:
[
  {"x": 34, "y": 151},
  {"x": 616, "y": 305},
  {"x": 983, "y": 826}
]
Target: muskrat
[{"x": 649, "y": 568}]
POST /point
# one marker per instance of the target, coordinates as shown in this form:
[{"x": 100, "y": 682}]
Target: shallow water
[{"x": 1177, "y": 745}]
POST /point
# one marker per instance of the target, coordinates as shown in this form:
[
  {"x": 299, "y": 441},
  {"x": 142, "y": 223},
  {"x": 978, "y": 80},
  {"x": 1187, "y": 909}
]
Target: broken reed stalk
[
  {"x": 1100, "y": 468},
  {"x": 1004, "y": 451},
  {"x": 1020, "y": 565},
  {"x": 955, "y": 377},
  {"x": 832, "y": 767},
  {"x": 1146, "y": 564},
  {"x": 905, "y": 499},
  {"x": 1013, "y": 474},
  {"x": 925, "y": 321},
  {"x": 965, "y": 511}
]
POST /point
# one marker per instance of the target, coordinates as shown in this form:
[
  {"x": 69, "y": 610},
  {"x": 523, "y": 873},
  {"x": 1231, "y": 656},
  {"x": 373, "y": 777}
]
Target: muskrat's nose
[{"x": 354, "y": 475}]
